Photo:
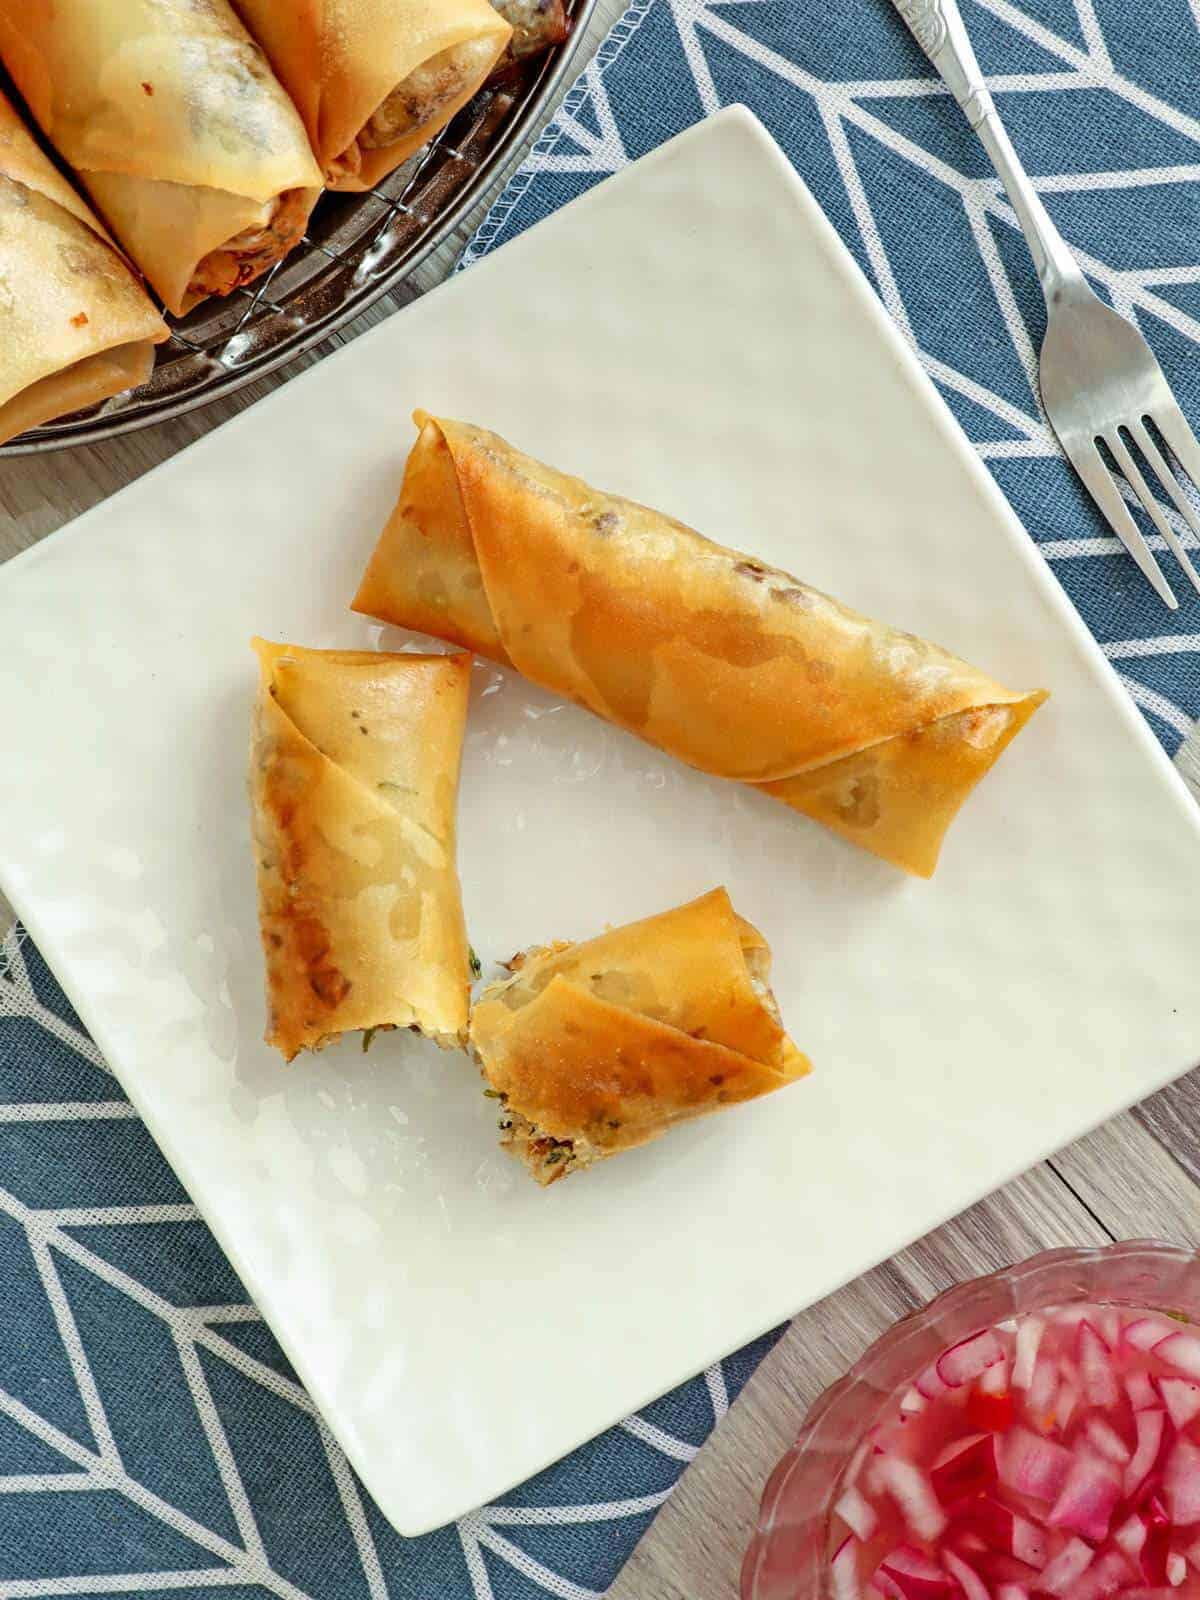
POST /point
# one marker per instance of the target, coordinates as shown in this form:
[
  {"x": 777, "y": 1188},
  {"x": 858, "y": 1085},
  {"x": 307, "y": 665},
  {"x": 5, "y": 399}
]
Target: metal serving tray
[{"x": 358, "y": 247}]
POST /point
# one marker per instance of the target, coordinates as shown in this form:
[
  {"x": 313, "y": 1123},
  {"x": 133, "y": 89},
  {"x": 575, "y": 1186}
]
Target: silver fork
[{"x": 1099, "y": 378}]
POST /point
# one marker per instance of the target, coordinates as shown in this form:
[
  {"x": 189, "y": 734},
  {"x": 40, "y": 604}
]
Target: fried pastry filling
[
  {"x": 250, "y": 253},
  {"x": 427, "y": 90}
]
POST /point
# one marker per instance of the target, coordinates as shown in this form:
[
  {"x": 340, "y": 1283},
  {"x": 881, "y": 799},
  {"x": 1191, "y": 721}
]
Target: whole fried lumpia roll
[
  {"x": 76, "y": 325},
  {"x": 732, "y": 666},
  {"x": 173, "y": 120},
  {"x": 375, "y": 82},
  {"x": 594, "y": 1048},
  {"x": 354, "y": 778}
]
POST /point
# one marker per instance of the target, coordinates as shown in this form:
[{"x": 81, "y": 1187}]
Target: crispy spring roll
[
  {"x": 177, "y": 127},
  {"x": 730, "y": 665},
  {"x": 354, "y": 780},
  {"x": 597, "y": 1047},
  {"x": 76, "y": 326},
  {"x": 375, "y": 82}
]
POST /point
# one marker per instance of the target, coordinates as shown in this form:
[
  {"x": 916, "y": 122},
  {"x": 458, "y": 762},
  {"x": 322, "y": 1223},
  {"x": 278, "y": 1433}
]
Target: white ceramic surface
[{"x": 693, "y": 334}]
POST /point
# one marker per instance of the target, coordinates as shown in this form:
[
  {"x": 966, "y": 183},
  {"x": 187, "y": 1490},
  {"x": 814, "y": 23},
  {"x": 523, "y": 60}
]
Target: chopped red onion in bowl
[{"x": 1050, "y": 1451}]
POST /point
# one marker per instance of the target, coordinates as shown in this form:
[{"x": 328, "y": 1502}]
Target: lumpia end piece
[
  {"x": 732, "y": 666},
  {"x": 245, "y": 257},
  {"x": 354, "y": 765},
  {"x": 374, "y": 83},
  {"x": 598, "y": 1047},
  {"x": 537, "y": 25},
  {"x": 84, "y": 383},
  {"x": 423, "y": 96},
  {"x": 195, "y": 242}
]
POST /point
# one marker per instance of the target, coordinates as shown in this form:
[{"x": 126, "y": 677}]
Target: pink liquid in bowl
[{"x": 1056, "y": 1454}]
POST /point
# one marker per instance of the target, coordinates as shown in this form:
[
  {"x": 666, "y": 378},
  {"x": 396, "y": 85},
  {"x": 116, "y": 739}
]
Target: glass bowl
[{"x": 787, "y": 1558}]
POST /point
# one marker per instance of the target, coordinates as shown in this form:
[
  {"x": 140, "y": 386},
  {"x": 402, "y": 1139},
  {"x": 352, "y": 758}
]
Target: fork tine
[
  {"x": 1093, "y": 469},
  {"x": 1174, "y": 488},
  {"x": 1176, "y": 430}
]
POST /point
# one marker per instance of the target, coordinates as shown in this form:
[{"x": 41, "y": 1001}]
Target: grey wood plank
[
  {"x": 1173, "y": 1117},
  {"x": 1128, "y": 1177}
]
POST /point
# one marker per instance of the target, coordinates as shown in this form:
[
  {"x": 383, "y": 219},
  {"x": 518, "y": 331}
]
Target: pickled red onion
[
  {"x": 1047, "y": 1458},
  {"x": 1181, "y": 1398},
  {"x": 1181, "y": 1351}
]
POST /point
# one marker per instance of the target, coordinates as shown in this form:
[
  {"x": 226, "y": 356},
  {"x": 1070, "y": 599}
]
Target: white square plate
[{"x": 692, "y": 334}]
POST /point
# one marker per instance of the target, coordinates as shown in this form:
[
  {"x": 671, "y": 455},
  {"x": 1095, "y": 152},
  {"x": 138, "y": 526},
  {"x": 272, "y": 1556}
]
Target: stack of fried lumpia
[
  {"x": 174, "y": 122},
  {"x": 204, "y": 131},
  {"x": 76, "y": 326}
]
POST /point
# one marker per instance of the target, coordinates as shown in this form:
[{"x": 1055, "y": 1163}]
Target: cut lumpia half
[
  {"x": 355, "y": 763},
  {"x": 733, "y": 666},
  {"x": 598, "y": 1047}
]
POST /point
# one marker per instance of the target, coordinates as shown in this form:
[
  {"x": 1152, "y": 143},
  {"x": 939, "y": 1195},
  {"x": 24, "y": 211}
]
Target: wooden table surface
[{"x": 1135, "y": 1177}]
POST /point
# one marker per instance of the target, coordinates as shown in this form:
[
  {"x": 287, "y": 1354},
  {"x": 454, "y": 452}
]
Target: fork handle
[{"x": 939, "y": 29}]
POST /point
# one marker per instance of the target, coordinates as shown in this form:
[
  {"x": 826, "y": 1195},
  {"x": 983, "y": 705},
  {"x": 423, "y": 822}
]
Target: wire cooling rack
[{"x": 358, "y": 246}]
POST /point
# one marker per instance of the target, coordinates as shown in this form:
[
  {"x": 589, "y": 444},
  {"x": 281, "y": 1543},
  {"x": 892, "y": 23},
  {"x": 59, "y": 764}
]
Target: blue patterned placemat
[{"x": 152, "y": 1435}]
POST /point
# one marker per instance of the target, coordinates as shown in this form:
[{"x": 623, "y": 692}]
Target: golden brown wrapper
[
  {"x": 374, "y": 80},
  {"x": 734, "y": 667},
  {"x": 174, "y": 122},
  {"x": 76, "y": 325},
  {"x": 354, "y": 767},
  {"x": 600, "y": 1046}
]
